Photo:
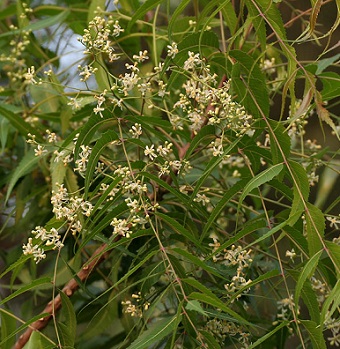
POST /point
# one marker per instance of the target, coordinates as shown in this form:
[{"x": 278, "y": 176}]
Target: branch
[{"x": 69, "y": 289}]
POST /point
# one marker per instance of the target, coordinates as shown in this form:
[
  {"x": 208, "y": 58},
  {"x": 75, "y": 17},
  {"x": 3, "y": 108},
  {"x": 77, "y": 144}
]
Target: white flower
[
  {"x": 150, "y": 152},
  {"x": 29, "y": 76},
  {"x": 40, "y": 150},
  {"x": 172, "y": 50},
  {"x": 141, "y": 57},
  {"x": 34, "y": 250}
]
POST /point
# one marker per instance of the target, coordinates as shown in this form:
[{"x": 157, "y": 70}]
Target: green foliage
[{"x": 161, "y": 188}]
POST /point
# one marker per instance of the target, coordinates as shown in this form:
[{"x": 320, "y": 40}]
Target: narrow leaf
[
  {"x": 156, "y": 331},
  {"x": 315, "y": 334},
  {"x": 32, "y": 285},
  {"x": 315, "y": 227},
  {"x": 26, "y": 164},
  {"x": 306, "y": 273},
  {"x": 147, "y": 6},
  {"x": 263, "y": 177},
  {"x": 70, "y": 320}
]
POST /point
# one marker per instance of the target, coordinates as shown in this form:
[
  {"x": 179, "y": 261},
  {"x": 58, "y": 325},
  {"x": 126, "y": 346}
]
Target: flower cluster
[
  {"x": 202, "y": 102},
  {"x": 286, "y": 308},
  {"x": 135, "y": 307},
  {"x": 234, "y": 257},
  {"x": 42, "y": 236},
  {"x": 96, "y": 38},
  {"x": 222, "y": 329},
  {"x": 70, "y": 207}
]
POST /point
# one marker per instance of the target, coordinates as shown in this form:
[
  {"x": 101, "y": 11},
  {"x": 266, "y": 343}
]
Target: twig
[{"x": 69, "y": 289}]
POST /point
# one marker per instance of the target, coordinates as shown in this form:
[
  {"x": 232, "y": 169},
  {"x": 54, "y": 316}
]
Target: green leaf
[
  {"x": 334, "y": 253},
  {"x": 230, "y": 17},
  {"x": 155, "y": 332},
  {"x": 315, "y": 227},
  {"x": 89, "y": 129},
  {"x": 34, "y": 342},
  {"x": 315, "y": 334},
  {"x": 210, "y": 340},
  {"x": 228, "y": 195},
  {"x": 172, "y": 223},
  {"x": 100, "y": 145},
  {"x": 325, "y": 63},
  {"x": 23, "y": 289},
  {"x": 179, "y": 9},
  {"x": 197, "y": 261},
  {"x": 42, "y": 24},
  {"x": 147, "y": 6},
  {"x": 263, "y": 177},
  {"x": 331, "y": 85},
  {"x": 27, "y": 163},
  {"x": 249, "y": 83},
  {"x": 218, "y": 304},
  {"x": 300, "y": 191},
  {"x": 196, "y": 306},
  {"x": 331, "y": 303},
  {"x": 69, "y": 324},
  {"x": 8, "y": 327},
  {"x": 18, "y": 123},
  {"x": 259, "y": 24},
  {"x": 306, "y": 273},
  {"x": 280, "y": 142},
  {"x": 268, "y": 335}
]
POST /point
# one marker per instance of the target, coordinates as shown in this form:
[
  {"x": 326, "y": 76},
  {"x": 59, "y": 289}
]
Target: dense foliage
[{"x": 169, "y": 174}]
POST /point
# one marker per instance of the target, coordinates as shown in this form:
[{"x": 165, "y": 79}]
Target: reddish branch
[
  {"x": 99, "y": 256},
  {"x": 72, "y": 286}
]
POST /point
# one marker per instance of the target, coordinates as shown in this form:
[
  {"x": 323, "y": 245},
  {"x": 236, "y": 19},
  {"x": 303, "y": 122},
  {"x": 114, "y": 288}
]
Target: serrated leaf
[
  {"x": 306, "y": 273},
  {"x": 156, "y": 331},
  {"x": 263, "y": 177},
  {"x": 325, "y": 63},
  {"x": 331, "y": 303},
  {"x": 69, "y": 325},
  {"x": 195, "y": 306},
  {"x": 315, "y": 227},
  {"x": 249, "y": 83},
  {"x": 315, "y": 334},
  {"x": 172, "y": 223},
  {"x": 280, "y": 142},
  {"x": 197, "y": 261},
  {"x": 210, "y": 340}
]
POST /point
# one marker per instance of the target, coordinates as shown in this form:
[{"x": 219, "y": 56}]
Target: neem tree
[{"x": 171, "y": 195}]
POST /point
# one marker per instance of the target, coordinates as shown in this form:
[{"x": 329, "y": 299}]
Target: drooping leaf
[
  {"x": 261, "y": 178},
  {"x": 8, "y": 326},
  {"x": 315, "y": 228},
  {"x": 306, "y": 273},
  {"x": 248, "y": 81},
  {"x": 315, "y": 333},
  {"x": 34, "y": 284},
  {"x": 69, "y": 324},
  {"x": 142, "y": 10},
  {"x": 27, "y": 163},
  {"x": 96, "y": 152},
  {"x": 155, "y": 332}
]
